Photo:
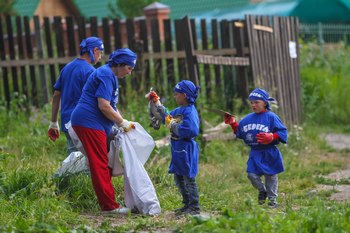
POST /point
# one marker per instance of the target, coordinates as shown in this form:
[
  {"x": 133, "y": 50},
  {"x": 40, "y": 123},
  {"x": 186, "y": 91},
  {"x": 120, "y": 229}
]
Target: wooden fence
[{"x": 230, "y": 59}]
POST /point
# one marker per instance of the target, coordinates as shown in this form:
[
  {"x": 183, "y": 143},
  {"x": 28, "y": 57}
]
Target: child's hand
[
  {"x": 169, "y": 121},
  {"x": 265, "y": 138}
]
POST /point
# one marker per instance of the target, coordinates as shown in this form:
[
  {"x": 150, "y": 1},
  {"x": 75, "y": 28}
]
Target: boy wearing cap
[
  {"x": 183, "y": 123},
  {"x": 92, "y": 121},
  {"x": 262, "y": 130},
  {"x": 69, "y": 85}
]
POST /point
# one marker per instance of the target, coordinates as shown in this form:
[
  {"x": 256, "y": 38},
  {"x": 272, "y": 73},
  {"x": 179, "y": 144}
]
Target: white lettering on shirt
[{"x": 259, "y": 127}]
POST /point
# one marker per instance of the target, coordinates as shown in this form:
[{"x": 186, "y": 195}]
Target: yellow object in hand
[{"x": 168, "y": 120}]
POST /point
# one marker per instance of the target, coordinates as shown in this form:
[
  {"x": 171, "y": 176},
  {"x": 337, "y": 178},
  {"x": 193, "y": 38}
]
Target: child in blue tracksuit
[
  {"x": 183, "y": 123},
  {"x": 262, "y": 130}
]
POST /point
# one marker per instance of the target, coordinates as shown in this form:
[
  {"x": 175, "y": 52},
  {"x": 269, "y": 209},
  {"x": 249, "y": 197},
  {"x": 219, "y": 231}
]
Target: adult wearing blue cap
[
  {"x": 69, "y": 85},
  {"x": 93, "y": 118},
  {"x": 262, "y": 130}
]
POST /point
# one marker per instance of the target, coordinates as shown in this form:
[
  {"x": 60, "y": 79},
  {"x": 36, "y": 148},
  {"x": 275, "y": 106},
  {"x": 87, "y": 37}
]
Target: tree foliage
[
  {"x": 6, "y": 7},
  {"x": 128, "y": 8}
]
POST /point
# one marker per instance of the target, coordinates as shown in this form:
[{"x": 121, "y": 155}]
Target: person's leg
[
  {"x": 272, "y": 189},
  {"x": 180, "y": 184},
  {"x": 193, "y": 197},
  {"x": 94, "y": 143},
  {"x": 259, "y": 185},
  {"x": 70, "y": 145}
]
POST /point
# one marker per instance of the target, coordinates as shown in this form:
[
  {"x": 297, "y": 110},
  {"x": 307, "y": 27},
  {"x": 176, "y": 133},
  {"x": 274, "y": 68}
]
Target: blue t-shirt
[
  {"x": 263, "y": 159},
  {"x": 102, "y": 83},
  {"x": 70, "y": 84},
  {"x": 267, "y": 122}
]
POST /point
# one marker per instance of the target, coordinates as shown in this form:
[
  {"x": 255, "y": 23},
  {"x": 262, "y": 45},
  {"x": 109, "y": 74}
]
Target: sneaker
[
  {"x": 191, "y": 211},
  {"x": 262, "y": 197},
  {"x": 120, "y": 210},
  {"x": 180, "y": 210},
  {"x": 272, "y": 204}
]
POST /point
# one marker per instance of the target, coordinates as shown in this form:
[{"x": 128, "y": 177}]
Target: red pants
[{"x": 95, "y": 146}]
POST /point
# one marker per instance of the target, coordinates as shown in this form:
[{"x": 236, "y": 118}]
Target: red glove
[
  {"x": 230, "y": 120},
  {"x": 152, "y": 95},
  {"x": 266, "y": 138},
  {"x": 54, "y": 131}
]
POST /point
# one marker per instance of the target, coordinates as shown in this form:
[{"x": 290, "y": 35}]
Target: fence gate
[{"x": 268, "y": 48}]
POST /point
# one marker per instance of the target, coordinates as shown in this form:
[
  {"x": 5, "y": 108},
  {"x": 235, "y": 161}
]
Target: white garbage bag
[
  {"x": 139, "y": 191},
  {"x": 75, "y": 162},
  {"x": 76, "y": 141},
  {"x": 113, "y": 158}
]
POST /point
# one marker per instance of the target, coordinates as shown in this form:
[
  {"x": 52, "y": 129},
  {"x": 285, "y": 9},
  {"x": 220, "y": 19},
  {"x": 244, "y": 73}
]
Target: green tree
[
  {"x": 128, "y": 8},
  {"x": 6, "y": 7}
]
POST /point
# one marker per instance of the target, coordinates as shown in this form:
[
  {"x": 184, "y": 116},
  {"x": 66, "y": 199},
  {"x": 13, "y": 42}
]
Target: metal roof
[
  {"x": 97, "y": 8},
  {"x": 308, "y": 11},
  {"x": 328, "y": 11},
  {"x": 26, "y": 7},
  {"x": 182, "y": 8},
  {"x": 273, "y": 8},
  {"x": 86, "y": 8}
]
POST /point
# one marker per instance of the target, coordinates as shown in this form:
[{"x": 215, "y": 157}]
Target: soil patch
[{"x": 342, "y": 192}]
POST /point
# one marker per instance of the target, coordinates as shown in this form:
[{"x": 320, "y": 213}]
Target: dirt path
[{"x": 339, "y": 142}]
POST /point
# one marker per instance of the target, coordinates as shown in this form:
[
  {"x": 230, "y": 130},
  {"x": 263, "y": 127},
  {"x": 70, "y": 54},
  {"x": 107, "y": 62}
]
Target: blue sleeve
[
  {"x": 104, "y": 89},
  {"x": 280, "y": 129},
  {"x": 189, "y": 127}
]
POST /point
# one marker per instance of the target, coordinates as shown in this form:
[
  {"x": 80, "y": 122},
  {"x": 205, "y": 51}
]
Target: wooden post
[
  {"x": 42, "y": 74},
  {"x": 192, "y": 65},
  {"x": 106, "y": 36},
  {"x": 157, "y": 63},
  {"x": 4, "y": 69},
  {"x": 241, "y": 71},
  {"x": 10, "y": 40},
  {"x": 49, "y": 52},
  {"x": 21, "y": 56},
  {"x": 170, "y": 61},
  {"x": 145, "y": 66}
]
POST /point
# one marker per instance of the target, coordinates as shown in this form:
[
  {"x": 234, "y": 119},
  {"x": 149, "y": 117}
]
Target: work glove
[
  {"x": 126, "y": 125},
  {"x": 265, "y": 138},
  {"x": 169, "y": 121},
  {"x": 54, "y": 131},
  {"x": 230, "y": 120}
]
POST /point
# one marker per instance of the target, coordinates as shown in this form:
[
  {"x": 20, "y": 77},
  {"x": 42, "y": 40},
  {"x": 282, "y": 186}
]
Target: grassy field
[{"x": 32, "y": 201}]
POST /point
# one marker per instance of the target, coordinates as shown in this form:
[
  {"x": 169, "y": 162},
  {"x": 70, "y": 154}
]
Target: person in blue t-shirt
[
  {"x": 262, "y": 130},
  {"x": 69, "y": 85},
  {"x": 93, "y": 119},
  {"x": 183, "y": 123}
]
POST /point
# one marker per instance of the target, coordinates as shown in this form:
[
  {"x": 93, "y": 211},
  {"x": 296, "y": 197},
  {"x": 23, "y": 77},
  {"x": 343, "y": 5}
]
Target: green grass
[{"x": 32, "y": 201}]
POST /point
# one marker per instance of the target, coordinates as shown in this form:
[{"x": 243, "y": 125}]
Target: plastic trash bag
[
  {"x": 113, "y": 158},
  {"x": 139, "y": 191},
  {"x": 75, "y": 162},
  {"x": 75, "y": 139}
]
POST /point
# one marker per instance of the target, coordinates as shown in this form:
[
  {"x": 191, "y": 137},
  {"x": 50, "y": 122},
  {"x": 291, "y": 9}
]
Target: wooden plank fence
[{"x": 229, "y": 60}]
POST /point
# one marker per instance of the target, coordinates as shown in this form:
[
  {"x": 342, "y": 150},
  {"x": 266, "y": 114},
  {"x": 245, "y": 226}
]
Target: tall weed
[{"x": 325, "y": 84}]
